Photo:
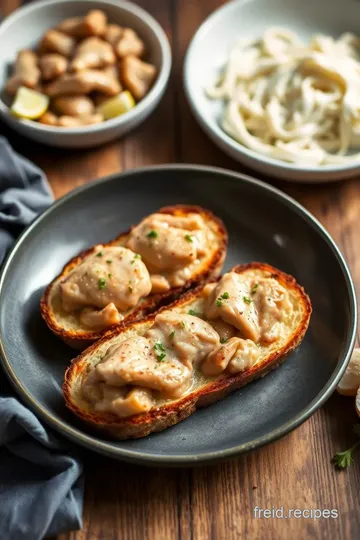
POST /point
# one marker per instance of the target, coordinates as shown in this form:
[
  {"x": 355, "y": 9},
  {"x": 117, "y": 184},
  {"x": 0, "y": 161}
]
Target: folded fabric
[
  {"x": 24, "y": 193},
  {"x": 41, "y": 487},
  {"x": 41, "y": 484}
]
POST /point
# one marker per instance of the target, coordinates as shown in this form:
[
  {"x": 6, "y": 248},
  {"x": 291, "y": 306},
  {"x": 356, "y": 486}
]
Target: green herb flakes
[
  {"x": 102, "y": 283},
  {"x": 254, "y": 289},
  {"x": 152, "y": 234},
  {"x": 194, "y": 313}
]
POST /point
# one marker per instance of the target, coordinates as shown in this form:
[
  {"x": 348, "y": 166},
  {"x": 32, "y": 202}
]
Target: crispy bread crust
[
  {"x": 170, "y": 414},
  {"x": 80, "y": 339}
]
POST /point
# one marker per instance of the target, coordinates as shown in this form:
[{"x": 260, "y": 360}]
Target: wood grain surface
[{"x": 217, "y": 502}]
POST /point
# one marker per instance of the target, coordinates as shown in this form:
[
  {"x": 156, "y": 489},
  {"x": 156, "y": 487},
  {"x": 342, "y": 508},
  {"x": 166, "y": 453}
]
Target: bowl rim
[
  {"x": 77, "y": 435},
  {"x": 141, "y": 107},
  {"x": 218, "y": 135}
]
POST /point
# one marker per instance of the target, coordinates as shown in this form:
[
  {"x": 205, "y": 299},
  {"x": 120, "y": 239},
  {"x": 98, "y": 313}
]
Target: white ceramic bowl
[
  {"x": 209, "y": 49},
  {"x": 24, "y": 28}
]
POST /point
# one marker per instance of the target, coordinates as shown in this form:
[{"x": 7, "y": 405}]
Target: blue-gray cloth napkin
[{"x": 41, "y": 483}]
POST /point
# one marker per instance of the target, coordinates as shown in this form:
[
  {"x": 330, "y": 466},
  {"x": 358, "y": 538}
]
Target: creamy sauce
[
  {"x": 172, "y": 247},
  {"x": 184, "y": 347},
  {"x": 165, "y": 252},
  {"x": 110, "y": 276}
]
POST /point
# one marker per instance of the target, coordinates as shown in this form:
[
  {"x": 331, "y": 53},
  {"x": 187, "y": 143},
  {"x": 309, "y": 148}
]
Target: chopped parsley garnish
[
  {"x": 100, "y": 254},
  {"x": 102, "y": 283},
  {"x": 188, "y": 238},
  {"x": 224, "y": 296},
  {"x": 254, "y": 289},
  {"x": 182, "y": 324},
  {"x": 223, "y": 340},
  {"x": 109, "y": 276},
  {"x": 109, "y": 261},
  {"x": 342, "y": 460},
  {"x": 136, "y": 256},
  {"x": 172, "y": 334},
  {"x": 152, "y": 234},
  {"x": 247, "y": 300},
  {"x": 159, "y": 351},
  {"x": 159, "y": 347},
  {"x": 194, "y": 313}
]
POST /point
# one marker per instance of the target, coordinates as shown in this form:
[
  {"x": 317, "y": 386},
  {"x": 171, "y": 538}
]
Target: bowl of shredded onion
[{"x": 277, "y": 86}]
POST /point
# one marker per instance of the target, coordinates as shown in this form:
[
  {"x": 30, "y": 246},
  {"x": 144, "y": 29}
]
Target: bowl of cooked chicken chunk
[{"x": 81, "y": 73}]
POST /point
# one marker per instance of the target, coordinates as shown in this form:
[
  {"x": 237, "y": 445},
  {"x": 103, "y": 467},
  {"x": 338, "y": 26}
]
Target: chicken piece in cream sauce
[
  {"x": 234, "y": 356},
  {"x": 124, "y": 401},
  {"x": 162, "y": 360},
  {"x": 170, "y": 246},
  {"x": 256, "y": 306},
  {"x": 99, "y": 319},
  {"x": 242, "y": 311},
  {"x": 111, "y": 278}
]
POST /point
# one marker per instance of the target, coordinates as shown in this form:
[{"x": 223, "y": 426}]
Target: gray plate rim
[{"x": 108, "y": 448}]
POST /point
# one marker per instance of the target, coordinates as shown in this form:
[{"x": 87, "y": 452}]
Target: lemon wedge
[
  {"x": 117, "y": 105},
  {"x": 29, "y": 103},
  {"x": 350, "y": 382}
]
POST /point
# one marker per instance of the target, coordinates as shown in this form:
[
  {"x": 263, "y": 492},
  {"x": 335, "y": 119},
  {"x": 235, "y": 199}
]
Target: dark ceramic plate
[{"x": 264, "y": 225}]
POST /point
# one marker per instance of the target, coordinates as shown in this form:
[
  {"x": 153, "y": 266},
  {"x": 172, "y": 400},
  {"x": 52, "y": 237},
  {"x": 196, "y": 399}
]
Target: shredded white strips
[{"x": 294, "y": 102}]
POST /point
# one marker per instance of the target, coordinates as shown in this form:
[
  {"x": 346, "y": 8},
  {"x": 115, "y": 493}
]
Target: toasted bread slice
[
  {"x": 67, "y": 325},
  {"x": 204, "y": 390}
]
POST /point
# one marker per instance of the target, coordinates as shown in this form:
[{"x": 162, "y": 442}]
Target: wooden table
[{"x": 130, "y": 502}]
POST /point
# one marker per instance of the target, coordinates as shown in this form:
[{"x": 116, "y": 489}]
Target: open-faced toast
[
  {"x": 69, "y": 326},
  {"x": 283, "y": 335}
]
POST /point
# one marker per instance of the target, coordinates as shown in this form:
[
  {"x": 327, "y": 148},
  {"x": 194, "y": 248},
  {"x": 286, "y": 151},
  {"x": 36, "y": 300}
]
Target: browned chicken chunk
[
  {"x": 86, "y": 120},
  {"x": 26, "y": 72},
  {"x": 57, "y": 42},
  {"x": 113, "y": 33},
  {"x": 73, "y": 105},
  {"x": 129, "y": 44},
  {"x": 52, "y": 65},
  {"x": 138, "y": 76},
  {"x": 51, "y": 119},
  {"x": 93, "y": 24},
  {"x": 83, "y": 82},
  {"x": 92, "y": 53},
  {"x": 113, "y": 71}
]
